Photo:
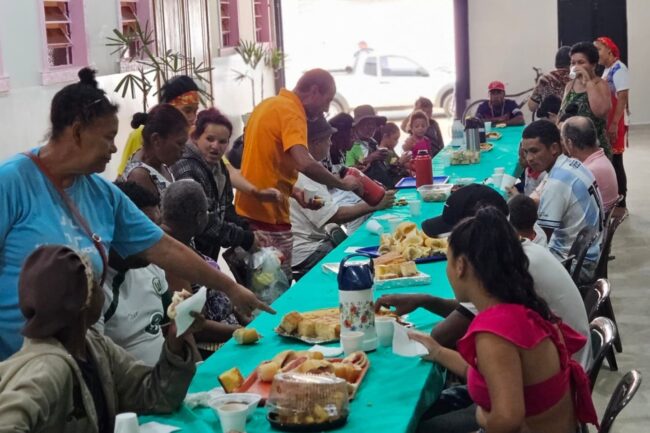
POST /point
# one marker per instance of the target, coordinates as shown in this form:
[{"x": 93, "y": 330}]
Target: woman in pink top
[{"x": 516, "y": 353}]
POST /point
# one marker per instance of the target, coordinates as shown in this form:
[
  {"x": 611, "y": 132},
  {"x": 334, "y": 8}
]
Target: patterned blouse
[{"x": 581, "y": 100}]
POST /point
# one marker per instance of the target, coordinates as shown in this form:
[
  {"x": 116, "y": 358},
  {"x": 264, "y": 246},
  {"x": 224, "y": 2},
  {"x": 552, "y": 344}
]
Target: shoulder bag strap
[{"x": 94, "y": 237}]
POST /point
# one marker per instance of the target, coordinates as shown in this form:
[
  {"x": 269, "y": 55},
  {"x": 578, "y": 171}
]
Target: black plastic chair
[
  {"x": 581, "y": 245},
  {"x": 613, "y": 222},
  {"x": 622, "y": 395},
  {"x": 603, "y": 333},
  {"x": 611, "y": 225},
  {"x": 596, "y": 298}
]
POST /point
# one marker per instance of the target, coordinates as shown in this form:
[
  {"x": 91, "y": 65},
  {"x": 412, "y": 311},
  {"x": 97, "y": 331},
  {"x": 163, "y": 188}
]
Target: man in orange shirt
[{"x": 275, "y": 151}]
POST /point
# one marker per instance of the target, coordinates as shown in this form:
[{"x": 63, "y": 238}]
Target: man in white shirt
[
  {"x": 581, "y": 142},
  {"x": 552, "y": 282},
  {"x": 570, "y": 200},
  {"x": 617, "y": 77},
  {"x": 136, "y": 293},
  {"x": 310, "y": 240}
]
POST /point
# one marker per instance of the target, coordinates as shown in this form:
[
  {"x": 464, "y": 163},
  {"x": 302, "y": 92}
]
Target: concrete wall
[
  {"x": 638, "y": 33},
  {"x": 506, "y": 39},
  {"x": 509, "y": 37},
  {"x": 24, "y": 109}
]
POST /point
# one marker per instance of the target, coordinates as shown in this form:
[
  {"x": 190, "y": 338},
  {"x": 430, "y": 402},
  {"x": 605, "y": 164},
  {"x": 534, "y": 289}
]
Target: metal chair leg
[
  {"x": 608, "y": 311},
  {"x": 611, "y": 360}
]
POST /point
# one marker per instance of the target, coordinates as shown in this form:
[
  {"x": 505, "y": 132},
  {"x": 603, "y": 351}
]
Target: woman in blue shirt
[{"x": 32, "y": 213}]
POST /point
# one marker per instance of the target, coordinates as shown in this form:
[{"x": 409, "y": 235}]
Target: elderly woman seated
[
  {"x": 69, "y": 378},
  {"x": 185, "y": 215}
]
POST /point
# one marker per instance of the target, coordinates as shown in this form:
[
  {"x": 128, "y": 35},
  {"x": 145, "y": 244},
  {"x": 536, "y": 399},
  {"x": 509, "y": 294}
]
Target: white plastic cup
[
  {"x": 232, "y": 416},
  {"x": 415, "y": 207},
  {"x": 385, "y": 328},
  {"x": 375, "y": 227},
  {"x": 508, "y": 182},
  {"x": 499, "y": 170},
  {"x": 310, "y": 193},
  {"x": 497, "y": 179},
  {"x": 352, "y": 341},
  {"x": 393, "y": 222},
  {"x": 126, "y": 423},
  {"x": 488, "y": 127},
  {"x": 572, "y": 73}
]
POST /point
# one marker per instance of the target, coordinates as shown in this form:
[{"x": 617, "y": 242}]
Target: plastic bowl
[
  {"x": 248, "y": 398},
  {"x": 435, "y": 193},
  {"x": 464, "y": 181}
]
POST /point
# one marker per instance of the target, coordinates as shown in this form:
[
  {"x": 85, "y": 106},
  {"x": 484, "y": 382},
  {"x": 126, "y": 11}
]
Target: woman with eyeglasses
[{"x": 33, "y": 211}]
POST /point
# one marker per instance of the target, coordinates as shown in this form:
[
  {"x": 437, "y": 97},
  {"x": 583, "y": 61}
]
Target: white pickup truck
[{"x": 389, "y": 82}]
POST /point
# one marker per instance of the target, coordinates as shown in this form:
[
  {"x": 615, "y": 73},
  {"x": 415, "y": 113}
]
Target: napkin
[
  {"x": 351, "y": 250},
  {"x": 327, "y": 351},
  {"x": 404, "y": 346},
  {"x": 202, "y": 398},
  {"x": 156, "y": 427},
  {"x": 195, "y": 304}
]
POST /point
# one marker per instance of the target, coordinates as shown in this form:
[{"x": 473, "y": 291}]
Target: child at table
[
  {"x": 389, "y": 138},
  {"x": 418, "y": 141}
]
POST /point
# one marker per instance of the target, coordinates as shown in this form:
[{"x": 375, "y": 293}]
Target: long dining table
[{"x": 396, "y": 390}]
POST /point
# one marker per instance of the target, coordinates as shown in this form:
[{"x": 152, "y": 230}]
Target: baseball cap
[
  {"x": 496, "y": 85},
  {"x": 462, "y": 204}
]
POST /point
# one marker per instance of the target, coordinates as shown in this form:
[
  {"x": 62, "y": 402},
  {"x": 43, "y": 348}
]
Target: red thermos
[
  {"x": 423, "y": 169},
  {"x": 373, "y": 191}
]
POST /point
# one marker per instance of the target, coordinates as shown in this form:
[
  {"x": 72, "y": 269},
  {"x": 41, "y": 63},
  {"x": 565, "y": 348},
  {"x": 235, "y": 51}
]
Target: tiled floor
[{"x": 630, "y": 279}]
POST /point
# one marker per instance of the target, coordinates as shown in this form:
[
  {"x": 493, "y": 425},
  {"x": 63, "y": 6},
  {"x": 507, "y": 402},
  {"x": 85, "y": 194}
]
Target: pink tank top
[{"x": 526, "y": 329}]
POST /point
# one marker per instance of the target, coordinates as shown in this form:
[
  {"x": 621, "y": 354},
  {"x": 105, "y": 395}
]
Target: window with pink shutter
[
  {"x": 132, "y": 12},
  {"x": 262, "y": 21},
  {"x": 58, "y": 33},
  {"x": 64, "y": 41},
  {"x": 229, "y": 23}
]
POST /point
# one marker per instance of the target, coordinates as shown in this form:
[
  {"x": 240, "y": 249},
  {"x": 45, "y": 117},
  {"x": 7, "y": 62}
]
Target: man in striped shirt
[{"x": 570, "y": 200}]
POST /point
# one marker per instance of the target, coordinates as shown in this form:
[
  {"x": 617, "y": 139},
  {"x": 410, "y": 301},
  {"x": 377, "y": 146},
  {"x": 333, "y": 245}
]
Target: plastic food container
[
  {"x": 307, "y": 402},
  {"x": 465, "y": 157},
  {"x": 464, "y": 181},
  {"x": 247, "y": 398},
  {"x": 435, "y": 193}
]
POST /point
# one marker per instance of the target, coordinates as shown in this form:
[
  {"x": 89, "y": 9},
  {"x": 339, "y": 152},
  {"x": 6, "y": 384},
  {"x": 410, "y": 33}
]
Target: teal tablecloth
[{"x": 396, "y": 390}]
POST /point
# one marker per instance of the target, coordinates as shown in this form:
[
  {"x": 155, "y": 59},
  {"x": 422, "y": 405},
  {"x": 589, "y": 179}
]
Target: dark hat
[
  {"x": 462, "y": 204},
  {"x": 367, "y": 112},
  {"x": 318, "y": 129},
  {"x": 52, "y": 290}
]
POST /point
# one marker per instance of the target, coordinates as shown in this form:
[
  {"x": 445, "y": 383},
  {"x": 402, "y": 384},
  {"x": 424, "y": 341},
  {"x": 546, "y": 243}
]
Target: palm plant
[
  {"x": 252, "y": 55},
  {"x": 154, "y": 70}
]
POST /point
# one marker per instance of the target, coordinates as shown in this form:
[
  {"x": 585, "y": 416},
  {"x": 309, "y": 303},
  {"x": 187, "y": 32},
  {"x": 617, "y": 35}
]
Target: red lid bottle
[
  {"x": 423, "y": 169},
  {"x": 373, "y": 191}
]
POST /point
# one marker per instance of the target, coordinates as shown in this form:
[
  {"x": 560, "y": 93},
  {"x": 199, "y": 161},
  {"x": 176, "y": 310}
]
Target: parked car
[{"x": 390, "y": 82}]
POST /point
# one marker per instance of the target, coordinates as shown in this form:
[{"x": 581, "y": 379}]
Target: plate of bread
[
  {"x": 319, "y": 326},
  {"x": 352, "y": 369},
  {"x": 409, "y": 243}
]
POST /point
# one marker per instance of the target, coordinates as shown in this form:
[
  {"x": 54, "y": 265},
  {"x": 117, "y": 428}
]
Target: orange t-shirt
[{"x": 277, "y": 124}]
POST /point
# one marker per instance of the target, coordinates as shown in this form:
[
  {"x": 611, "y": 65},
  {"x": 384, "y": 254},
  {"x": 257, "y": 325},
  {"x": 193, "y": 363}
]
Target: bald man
[
  {"x": 580, "y": 142},
  {"x": 275, "y": 151}
]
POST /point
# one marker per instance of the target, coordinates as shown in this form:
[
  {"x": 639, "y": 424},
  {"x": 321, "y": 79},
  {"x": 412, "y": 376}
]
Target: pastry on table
[{"x": 231, "y": 380}]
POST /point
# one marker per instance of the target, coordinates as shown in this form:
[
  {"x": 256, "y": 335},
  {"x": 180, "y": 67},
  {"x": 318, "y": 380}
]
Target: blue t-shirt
[
  {"x": 33, "y": 214},
  {"x": 510, "y": 108}
]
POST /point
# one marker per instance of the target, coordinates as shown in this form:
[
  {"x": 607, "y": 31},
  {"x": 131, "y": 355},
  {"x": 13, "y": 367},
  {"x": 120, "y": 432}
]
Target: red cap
[{"x": 496, "y": 85}]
